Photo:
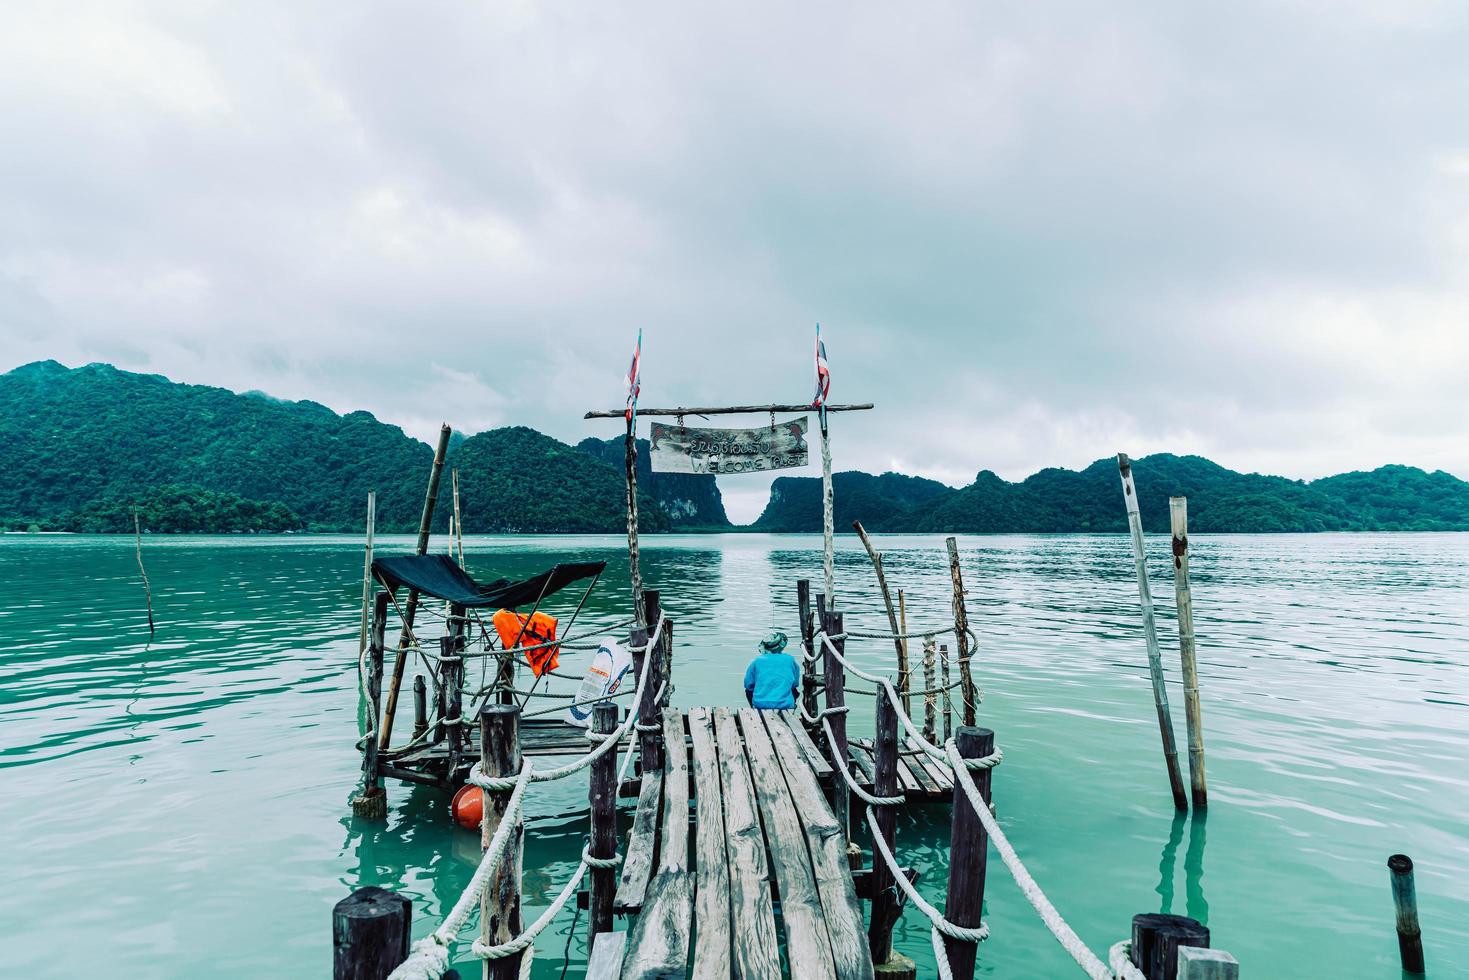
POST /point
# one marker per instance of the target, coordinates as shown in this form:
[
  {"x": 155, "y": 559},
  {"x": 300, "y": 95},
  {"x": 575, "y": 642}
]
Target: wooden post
[
  {"x": 1198, "y": 785},
  {"x": 372, "y": 802},
  {"x": 834, "y": 677},
  {"x": 458, "y": 519},
  {"x": 371, "y": 929},
  {"x": 650, "y": 746},
  {"x": 452, "y": 657},
  {"x": 652, "y": 610},
  {"x": 905, "y": 669},
  {"x": 828, "y": 517},
  {"x": 1150, "y": 634},
  {"x": 602, "y": 797},
  {"x": 1198, "y": 963},
  {"x": 630, "y": 459},
  {"x": 930, "y": 707},
  {"x": 808, "y": 634},
  {"x": 367, "y": 572},
  {"x": 1405, "y": 901},
  {"x": 961, "y": 633},
  {"x": 425, "y": 523},
  {"x": 885, "y": 907},
  {"x": 944, "y": 680},
  {"x": 1156, "y": 938},
  {"x": 887, "y": 600},
  {"x": 420, "y": 705},
  {"x": 968, "y": 853},
  {"x": 499, "y": 911}
]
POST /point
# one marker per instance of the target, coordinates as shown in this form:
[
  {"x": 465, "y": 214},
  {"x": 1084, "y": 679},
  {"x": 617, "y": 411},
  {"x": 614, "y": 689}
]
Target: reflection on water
[{"x": 168, "y": 797}]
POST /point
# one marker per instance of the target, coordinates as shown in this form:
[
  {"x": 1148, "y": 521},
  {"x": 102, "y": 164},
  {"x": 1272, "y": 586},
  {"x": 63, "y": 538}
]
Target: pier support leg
[
  {"x": 968, "y": 853},
  {"x": 602, "y": 796},
  {"x": 650, "y": 746},
  {"x": 370, "y": 932},
  {"x": 1156, "y": 939},
  {"x": 1405, "y": 901},
  {"x": 499, "y": 912},
  {"x": 372, "y": 802},
  {"x": 451, "y": 655},
  {"x": 808, "y": 667},
  {"x": 885, "y": 907},
  {"x": 420, "y": 705}
]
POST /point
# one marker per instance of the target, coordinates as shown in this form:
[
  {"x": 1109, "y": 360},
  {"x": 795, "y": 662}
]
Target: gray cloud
[{"x": 1033, "y": 234}]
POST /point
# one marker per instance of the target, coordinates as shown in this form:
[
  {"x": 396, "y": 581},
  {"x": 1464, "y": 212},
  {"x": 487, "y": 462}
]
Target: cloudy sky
[{"x": 1034, "y": 234}]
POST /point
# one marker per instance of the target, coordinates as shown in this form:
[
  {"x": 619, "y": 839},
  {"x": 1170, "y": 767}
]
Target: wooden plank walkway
[{"x": 761, "y": 823}]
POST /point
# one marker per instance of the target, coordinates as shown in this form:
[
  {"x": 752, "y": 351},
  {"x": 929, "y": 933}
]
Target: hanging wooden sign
[{"x": 679, "y": 449}]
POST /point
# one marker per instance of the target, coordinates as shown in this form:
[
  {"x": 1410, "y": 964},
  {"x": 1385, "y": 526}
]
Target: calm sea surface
[{"x": 180, "y": 809}]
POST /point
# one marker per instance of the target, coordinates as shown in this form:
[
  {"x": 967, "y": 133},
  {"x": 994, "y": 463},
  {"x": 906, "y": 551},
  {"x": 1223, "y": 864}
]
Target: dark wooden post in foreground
[
  {"x": 370, "y": 932},
  {"x": 372, "y": 802},
  {"x": 602, "y": 796},
  {"x": 499, "y": 910},
  {"x": 808, "y": 633},
  {"x": 650, "y": 746},
  {"x": 652, "y": 610},
  {"x": 968, "y": 852},
  {"x": 834, "y": 677},
  {"x": 1156, "y": 938},
  {"x": 1405, "y": 900},
  {"x": 885, "y": 907}
]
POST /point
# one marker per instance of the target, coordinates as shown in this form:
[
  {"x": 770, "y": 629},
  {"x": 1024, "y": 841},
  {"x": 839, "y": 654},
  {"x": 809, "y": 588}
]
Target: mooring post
[
  {"x": 372, "y": 802},
  {"x": 1405, "y": 901},
  {"x": 885, "y": 908},
  {"x": 961, "y": 633},
  {"x": 948, "y": 701},
  {"x": 808, "y": 667},
  {"x": 1156, "y": 938},
  {"x": 420, "y": 705},
  {"x": 451, "y": 655},
  {"x": 499, "y": 911},
  {"x": 834, "y": 677},
  {"x": 899, "y": 646},
  {"x": 371, "y": 929},
  {"x": 1187, "y": 651},
  {"x": 930, "y": 699},
  {"x": 648, "y": 659},
  {"x": 968, "y": 852},
  {"x": 602, "y": 795},
  {"x": 1150, "y": 633}
]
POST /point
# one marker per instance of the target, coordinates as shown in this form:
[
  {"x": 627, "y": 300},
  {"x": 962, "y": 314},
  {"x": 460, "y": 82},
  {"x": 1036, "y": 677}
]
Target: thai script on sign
[{"x": 680, "y": 449}]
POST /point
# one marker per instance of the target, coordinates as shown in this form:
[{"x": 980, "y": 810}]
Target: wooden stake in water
[
  {"x": 1150, "y": 634},
  {"x": 458, "y": 519},
  {"x": 1405, "y": 901},
  {"x": 1178, "y": 516},
  {"x": 828, "y": 518},
  {"x": 887, "y": 601},
  {"x": 961, "y": 633},
  {"x": 367, "y": 571},
  {"x": 630, "y": 458},
  {"x": 147, "y": 589}
]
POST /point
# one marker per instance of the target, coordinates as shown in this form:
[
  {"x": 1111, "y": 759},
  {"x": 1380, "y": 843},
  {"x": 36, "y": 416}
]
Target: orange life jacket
[{"x": 529, "y": 631}]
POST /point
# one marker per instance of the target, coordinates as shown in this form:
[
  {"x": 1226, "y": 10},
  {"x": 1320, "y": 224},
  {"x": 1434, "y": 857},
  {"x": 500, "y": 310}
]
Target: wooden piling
[
  {"x": 948, "y": 701},
  {"x": 930, "y": 707},
  {"x": 899, "y": 646},
  {"x": 1156, "y": 939},
  {"x": 968, "y": 853},
  {"x": 834, "y": 677},
  {"x": 1198, "y": 784},
  {"x": 650, "y": 748},
  {"x": 452, "y": 658},
  {"x": 828, "y": 517},
  {"x": 1405, "y": 902},
  {"x": 458, "y": 538},
  {"x": 808, "y": 635},
  {"x": 425, "y": 523},
  {"x": 1150, "y": 634},
  {"x": 372, "y": 802},
  {"x": 367, "y": 572},
  {"x": 420, "y": 705},
  {"x": 499, "y": 911},
  {"x": 371, "y": 929},
  {"x": 602, "y": 797},
  {"x": 652, "y": 611},
  {"x": 630, "y": 461},
  {"x": 961, "y": 634},
  {"x": 885, "y": 906}
]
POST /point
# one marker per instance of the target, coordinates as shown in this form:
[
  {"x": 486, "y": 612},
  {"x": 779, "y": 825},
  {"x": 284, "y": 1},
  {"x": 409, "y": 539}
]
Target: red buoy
[{"x": 469, "y": 807}]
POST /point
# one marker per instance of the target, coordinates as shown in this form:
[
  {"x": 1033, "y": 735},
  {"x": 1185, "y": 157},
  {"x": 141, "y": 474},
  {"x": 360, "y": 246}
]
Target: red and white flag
[
  {"x": 823, "y": 373},
  {"x": 634, "y": 380}
]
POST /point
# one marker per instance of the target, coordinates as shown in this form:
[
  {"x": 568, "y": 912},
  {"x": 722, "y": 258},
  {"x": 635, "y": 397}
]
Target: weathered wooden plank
[
  {"x": 659, "y": 945},
  {"x": 862, "y": 759},
  {"x": 808, "y": 946},
  {"x": 850, "y": 954},
  {"x": 712, "y": 955},
  {"x": 819, "y": 761},
  {"x": 637, "y": 864},
  {"x": 923, "y": 768},
  {"x": 605, "y": 962},
  {"x": 755, "y": 955}
]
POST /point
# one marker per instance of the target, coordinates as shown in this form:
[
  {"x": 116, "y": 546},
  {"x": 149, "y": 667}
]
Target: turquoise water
[{"x": 180, "y": 809}]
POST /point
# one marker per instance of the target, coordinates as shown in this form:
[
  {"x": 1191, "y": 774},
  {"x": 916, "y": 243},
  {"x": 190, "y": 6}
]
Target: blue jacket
[{"x": 771, "y": 680}]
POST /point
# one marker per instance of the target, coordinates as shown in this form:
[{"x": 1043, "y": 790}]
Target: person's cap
[{"x": 773, "y": 642}]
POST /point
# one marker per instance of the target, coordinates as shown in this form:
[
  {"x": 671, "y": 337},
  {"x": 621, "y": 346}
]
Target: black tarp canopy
[{"x": 441, "y": 577}]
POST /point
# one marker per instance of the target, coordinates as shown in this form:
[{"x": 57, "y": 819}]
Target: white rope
[
  {"x": 1120, "y": 959},
  {"x": 862, "y": 794}
]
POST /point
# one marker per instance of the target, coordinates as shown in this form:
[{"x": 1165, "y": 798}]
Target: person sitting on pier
[{"x": 772, "y": 679}]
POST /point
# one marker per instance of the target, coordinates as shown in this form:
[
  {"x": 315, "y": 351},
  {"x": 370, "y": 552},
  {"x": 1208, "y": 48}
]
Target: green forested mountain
[
  {"x": 686, "y": 499},
  {"x": 182, "y": 510},
  {"x": 882, "y": 503},
  {"x": 1392, "y": 498}
]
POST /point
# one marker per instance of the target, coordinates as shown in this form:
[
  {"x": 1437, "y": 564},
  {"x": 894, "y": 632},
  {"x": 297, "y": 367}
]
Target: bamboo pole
[
  {"x": 905, "y": 675},
  {"x": 887, "y": 601},
  {"x": 367, "y": 571},
  {"x": 147, "y": 589},
  {"x": 930, "y": 707},
  {"x": 948, "y": 701},
  {"x": 828, "y": 515},
  {"x": 1150, "y": 634},
  {"x": 1192, "y": 712},
  {"x": 630, "y": 458},
  {"x": 425, "y": 523},
  {"x": 458, "y": 519},
  {"x": 961, "y": 633}
]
